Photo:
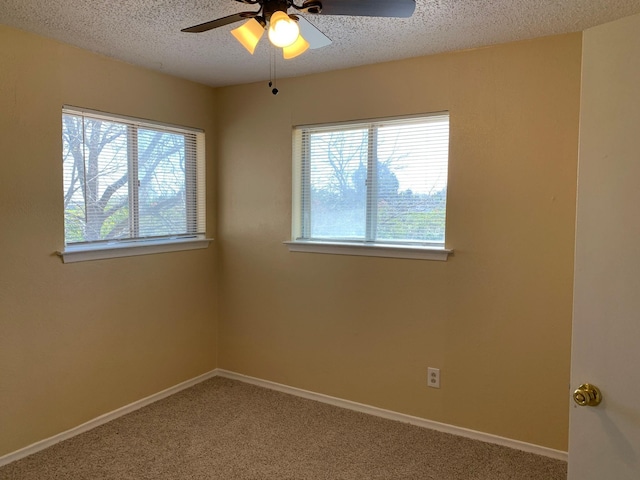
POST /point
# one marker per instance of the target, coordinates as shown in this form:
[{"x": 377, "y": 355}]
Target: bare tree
[
  {"x": 345, "y": 152},
  {"x": 100, "y": 176}
]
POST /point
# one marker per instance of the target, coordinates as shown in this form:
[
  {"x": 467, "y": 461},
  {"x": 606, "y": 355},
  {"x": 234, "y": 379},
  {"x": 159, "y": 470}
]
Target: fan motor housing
[{"x": 271, "y": 6}]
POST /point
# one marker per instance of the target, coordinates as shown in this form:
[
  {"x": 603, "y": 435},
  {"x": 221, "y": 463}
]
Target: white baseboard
[
  {"x": 102, "y": 419},
  {"x": 359, "y": 407},
  {"x": 401, "y": 417}
]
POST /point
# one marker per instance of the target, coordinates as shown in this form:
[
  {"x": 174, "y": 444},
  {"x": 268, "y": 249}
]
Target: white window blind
[
  {"x": 129, "y": 180},
  {"x": 381, "y": 181}
]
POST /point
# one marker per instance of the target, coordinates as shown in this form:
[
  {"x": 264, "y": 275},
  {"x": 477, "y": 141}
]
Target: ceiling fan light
[
  {"x": 296, "y": 48},
  {"x": 249, "y": 34},
  {"x": 283, "y": 31}
]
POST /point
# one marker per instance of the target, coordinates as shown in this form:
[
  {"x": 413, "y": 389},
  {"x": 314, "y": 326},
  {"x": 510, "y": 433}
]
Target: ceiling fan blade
[
  {"x": 220, "y": 22},
  {"x": 369, "y": 8},
  {"x": 311, "y": 34}
]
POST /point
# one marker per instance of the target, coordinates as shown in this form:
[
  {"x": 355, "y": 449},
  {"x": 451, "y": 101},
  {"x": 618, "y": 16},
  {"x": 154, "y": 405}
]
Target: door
[{"x": 604, "y": 441}]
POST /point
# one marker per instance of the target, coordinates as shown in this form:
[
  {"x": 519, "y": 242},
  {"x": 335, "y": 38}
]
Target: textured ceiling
[{"x": 147, "y": 32}]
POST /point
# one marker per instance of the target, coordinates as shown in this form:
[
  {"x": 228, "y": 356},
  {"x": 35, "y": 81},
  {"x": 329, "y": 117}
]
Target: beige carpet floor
[{"x": 224, "y": 429}]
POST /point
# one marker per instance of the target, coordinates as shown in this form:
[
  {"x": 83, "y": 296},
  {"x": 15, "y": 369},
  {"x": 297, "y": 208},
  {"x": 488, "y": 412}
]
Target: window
[
  {"x": 130, "y": 183},
  {"x": 379, "y": 184}
]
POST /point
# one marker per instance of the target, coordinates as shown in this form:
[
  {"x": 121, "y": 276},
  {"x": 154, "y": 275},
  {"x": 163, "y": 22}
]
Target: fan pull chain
[{"x": 273, "y": 82}]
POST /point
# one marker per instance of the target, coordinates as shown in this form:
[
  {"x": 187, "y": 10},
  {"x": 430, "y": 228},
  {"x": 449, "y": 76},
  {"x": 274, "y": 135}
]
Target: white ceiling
[{"x": 147, "y": 32}]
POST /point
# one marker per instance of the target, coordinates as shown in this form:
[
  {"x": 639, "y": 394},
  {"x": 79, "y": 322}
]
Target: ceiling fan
[{"x": 292, "y": 32}]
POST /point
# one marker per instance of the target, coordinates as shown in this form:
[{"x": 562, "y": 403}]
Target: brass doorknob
[{"x": 587, "y": 395}]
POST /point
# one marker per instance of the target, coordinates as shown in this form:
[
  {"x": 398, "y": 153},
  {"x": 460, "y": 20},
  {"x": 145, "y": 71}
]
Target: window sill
[
  {"x": 371, "y": 250},
  {"x": 103, "y": 251}
]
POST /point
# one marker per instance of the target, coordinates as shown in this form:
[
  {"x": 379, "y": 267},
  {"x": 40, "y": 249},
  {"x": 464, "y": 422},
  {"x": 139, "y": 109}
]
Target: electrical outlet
[{"x": 433, "y": 377}]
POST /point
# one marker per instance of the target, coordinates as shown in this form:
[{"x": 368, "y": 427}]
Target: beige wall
[
  {"x": 495, "y": 318},
  {"x": 79, "y": 340}
]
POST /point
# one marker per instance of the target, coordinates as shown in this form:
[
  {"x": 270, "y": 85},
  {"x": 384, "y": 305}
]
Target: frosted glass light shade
[
  {"x": 296, "y": 48},
  {"x": 283, "y": 31},
  {"x": 249, "y": 34}
]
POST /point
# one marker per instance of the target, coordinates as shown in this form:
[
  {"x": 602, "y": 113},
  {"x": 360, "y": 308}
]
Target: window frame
[
  {"x": 368, "y": 246},
  {"x": 195, "y": 191}
]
